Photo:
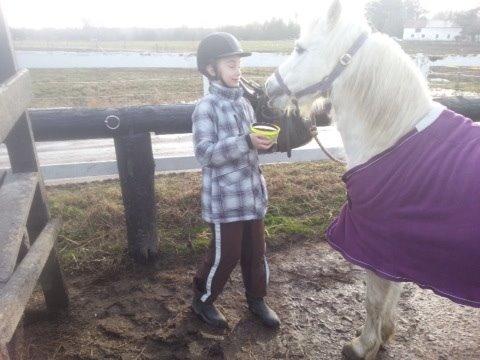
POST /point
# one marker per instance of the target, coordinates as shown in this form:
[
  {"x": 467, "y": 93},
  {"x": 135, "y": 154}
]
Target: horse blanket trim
[{"x": 412, "y": 212}]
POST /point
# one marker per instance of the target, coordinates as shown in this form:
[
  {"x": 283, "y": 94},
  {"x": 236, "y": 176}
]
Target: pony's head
[
  {"x": 377, "y": 94},
  {"x": 321, "y": 45}
]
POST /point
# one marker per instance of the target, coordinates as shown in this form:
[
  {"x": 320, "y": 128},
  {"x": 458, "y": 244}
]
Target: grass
[
  {"x": 460, "y": 79},
  {"x": 120, "y": 87},
  {"x": 441, "y": 48},
  {"x": 123, "y": 87},
  {"x": 437, "y": 48},
  {"x": 303, "y": 200},
  {"x": 283, "y": 46}
]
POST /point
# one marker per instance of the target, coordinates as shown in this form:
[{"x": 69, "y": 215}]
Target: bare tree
[
  {"x": 390, "y": 16},
  {"x": 470, "y": 22},
  {"x": 274, "y": 29}
]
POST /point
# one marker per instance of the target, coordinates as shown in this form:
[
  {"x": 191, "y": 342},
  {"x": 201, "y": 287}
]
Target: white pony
[{"x": 378, "y": 98}]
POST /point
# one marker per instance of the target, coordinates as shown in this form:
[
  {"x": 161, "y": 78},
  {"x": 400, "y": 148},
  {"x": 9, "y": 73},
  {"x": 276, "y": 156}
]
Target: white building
[{"x": 432, "y": 30}]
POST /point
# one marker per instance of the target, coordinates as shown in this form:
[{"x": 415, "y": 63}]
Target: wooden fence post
[
  {"x": 23, "y": 159},
  {"x": 136, "y": 168}
]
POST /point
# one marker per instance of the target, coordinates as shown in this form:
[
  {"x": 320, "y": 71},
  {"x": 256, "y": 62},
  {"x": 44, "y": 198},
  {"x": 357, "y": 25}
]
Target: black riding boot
[
  {"x": 259, "y": 308},
  {"x": 209, "y": 314}
]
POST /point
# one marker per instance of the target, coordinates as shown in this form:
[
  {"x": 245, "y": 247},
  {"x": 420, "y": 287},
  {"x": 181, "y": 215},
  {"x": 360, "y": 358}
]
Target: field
[
  {"x": 122, "y": 87},
  {"x": 282, "y": 46},
  {"x": 149, "y": 46}
]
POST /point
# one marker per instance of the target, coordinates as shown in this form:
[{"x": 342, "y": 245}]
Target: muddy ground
[{"x": 319, "y": 296}]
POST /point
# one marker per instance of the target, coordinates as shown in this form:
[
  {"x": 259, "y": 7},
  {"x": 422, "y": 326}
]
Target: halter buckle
[{"x": 346, "y": 59}]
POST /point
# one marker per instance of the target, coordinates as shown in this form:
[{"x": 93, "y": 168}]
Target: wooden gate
[{"x": 27, "y": 234}]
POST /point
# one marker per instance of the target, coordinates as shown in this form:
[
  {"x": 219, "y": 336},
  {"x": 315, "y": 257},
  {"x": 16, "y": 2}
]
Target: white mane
[{"x": 379, "y": 98}]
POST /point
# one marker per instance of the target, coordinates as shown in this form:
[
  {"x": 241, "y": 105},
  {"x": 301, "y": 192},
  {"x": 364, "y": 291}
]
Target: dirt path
[{"x": 318, "y": 295}]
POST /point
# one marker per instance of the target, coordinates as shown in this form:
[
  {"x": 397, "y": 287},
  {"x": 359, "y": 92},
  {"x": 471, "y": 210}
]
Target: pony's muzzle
[
  {"x": 272, "y": 88},
  {"x": 277, "y": 98}
]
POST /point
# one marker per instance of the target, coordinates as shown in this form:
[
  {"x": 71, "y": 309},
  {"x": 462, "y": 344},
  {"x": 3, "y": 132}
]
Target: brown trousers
[{"x": 242, "y": 240}]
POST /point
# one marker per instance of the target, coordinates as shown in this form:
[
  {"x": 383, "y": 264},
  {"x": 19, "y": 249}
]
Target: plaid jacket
[{"x": 233, "y": 187}]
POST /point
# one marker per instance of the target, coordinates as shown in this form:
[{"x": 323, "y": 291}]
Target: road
[{"x": 64, "y": 160}]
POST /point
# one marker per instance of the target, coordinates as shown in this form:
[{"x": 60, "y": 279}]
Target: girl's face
[{"x": 228, "y": 70}]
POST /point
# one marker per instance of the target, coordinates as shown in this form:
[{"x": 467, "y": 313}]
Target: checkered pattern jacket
[{"x": 233, "y": 187}]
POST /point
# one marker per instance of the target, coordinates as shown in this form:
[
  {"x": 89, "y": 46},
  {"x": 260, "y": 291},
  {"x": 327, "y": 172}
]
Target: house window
[
  {"x": 413, "y": 35},
  {"x": 448, "y": 36},
  {"x": 417, "y": 30},
  {"x": 437, "y": 36},
  {"x": 423, "y": 35}
]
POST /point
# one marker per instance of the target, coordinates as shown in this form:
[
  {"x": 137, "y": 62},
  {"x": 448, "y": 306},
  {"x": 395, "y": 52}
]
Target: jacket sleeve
[{"x": 210, "y": 151}]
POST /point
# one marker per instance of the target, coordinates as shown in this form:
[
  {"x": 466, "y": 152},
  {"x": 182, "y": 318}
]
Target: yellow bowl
[{"x": 266, "y": 130}]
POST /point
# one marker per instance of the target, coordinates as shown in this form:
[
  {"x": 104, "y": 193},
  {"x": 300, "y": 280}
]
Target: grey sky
[{"x": 154, "y": 13}]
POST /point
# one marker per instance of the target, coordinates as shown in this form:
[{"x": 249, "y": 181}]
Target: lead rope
[{"x": 328, "y": 153}]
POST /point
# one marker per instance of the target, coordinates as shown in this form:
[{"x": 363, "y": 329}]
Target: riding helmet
[{"x": 215, "y": 46}]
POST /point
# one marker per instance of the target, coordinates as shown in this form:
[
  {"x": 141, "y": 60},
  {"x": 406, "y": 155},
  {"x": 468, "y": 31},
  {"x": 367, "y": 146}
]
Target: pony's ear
[{"x": 334, "y": 14}]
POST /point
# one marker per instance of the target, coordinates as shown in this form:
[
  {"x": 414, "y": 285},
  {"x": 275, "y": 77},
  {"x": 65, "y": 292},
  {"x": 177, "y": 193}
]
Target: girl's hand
[{"x": 260, "y": 143}]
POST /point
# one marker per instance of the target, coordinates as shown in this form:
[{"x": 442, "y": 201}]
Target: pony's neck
[{"x": 378, "y": 99}]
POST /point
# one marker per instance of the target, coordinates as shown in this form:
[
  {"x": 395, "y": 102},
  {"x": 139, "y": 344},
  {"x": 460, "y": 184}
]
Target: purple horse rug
[{"x": 413, "y": 211}]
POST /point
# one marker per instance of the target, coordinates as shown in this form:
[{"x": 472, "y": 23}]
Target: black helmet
[{"x": 216, "y": 46}]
